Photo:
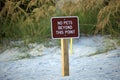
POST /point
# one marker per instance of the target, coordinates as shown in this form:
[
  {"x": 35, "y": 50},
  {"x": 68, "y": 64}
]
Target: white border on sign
[{"x": 65, "y": 17}]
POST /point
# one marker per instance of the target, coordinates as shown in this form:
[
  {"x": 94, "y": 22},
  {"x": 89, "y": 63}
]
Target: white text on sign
[{"x": 66, "y": 26}]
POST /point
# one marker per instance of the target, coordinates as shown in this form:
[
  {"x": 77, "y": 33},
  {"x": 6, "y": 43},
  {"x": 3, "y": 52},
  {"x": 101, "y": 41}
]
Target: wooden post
[
  {"x": 71, "y": 44},
  {"x": 65, "y": 57}
]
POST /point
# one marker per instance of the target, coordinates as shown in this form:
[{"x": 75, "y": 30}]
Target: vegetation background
[{"x": 29, "y": 20}]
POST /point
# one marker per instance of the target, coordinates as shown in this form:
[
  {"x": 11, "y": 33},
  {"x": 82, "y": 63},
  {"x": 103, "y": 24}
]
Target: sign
[{"x": 65, "y": 27}]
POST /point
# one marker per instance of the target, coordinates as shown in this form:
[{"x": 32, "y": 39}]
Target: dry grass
[
  {"x": 33, "y": 9},
  {"x": 105, "y": 13},
  {"x": 26, "y": 19},
  {"x": 31, "y": 17}
]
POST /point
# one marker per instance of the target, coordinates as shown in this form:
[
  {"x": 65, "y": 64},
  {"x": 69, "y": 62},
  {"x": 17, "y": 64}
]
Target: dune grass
[{"x": 29, "y": 20}]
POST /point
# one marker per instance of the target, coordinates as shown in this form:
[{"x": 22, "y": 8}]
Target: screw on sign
[{"x": 65, "y": 27}]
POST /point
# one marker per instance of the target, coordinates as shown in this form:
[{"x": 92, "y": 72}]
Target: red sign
[{"x": 65, "y": 27}]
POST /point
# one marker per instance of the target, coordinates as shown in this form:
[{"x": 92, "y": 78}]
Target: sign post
[
  {"x": 64, "y": 28},
  {"x": 65, "y": 58}
]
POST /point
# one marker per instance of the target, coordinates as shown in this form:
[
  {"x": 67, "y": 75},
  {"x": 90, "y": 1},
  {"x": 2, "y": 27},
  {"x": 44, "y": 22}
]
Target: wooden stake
[
  {"x": 65, "y": 57},
  {"x": 71, "y": 44}
]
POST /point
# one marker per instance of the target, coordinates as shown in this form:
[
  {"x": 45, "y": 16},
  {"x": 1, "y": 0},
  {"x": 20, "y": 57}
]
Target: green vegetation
[{"x": 29, "y": 20}]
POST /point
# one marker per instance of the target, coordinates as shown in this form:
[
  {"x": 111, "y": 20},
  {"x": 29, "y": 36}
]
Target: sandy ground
[{"x": 44, "y": 63}]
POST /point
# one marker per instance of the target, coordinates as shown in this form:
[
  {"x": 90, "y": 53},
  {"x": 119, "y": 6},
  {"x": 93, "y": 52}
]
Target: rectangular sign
[{"x": 65, "y": 27}]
